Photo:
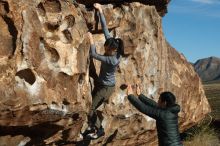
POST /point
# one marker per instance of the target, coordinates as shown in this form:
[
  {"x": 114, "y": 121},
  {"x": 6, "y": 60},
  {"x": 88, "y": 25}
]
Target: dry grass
[
  {"x": 212, "y": 91},
  {"x": 202, "y": 135}
]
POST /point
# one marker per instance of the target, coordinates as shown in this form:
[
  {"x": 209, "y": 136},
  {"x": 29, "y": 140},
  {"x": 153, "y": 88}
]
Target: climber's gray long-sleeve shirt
[{"x": 108, "y": 63}]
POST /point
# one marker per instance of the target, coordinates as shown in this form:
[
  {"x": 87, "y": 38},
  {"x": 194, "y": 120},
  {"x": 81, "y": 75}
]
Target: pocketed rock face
[{"x": 44, "y": 78}]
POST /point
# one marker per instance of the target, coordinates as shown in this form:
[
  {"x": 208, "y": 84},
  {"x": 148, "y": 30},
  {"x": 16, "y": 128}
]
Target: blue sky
[{"x": 193, "y": 27}]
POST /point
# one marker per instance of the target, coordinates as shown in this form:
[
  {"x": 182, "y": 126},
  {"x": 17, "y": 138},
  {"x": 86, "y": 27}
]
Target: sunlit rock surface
[{"x": 45, "y": 89}]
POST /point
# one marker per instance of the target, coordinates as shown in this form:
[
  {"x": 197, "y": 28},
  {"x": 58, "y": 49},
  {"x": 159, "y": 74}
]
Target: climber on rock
[
  {"x": 105, "y": 82},
  {"x": 165, "y": 112}
]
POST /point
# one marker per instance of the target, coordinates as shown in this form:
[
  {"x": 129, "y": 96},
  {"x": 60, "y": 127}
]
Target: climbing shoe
[{"x": 100, "y": 132}]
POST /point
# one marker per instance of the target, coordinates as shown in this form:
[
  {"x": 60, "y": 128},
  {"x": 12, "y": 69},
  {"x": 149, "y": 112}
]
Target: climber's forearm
[
  {"x": 103, "y": 21},
  {"x": 91, "y": 41},
  {"x": 100, "y": 10},
  {"x": 89, "y": 35},
  {"x": 98, "y": 7},
  {"x": 104, "y": 26}
]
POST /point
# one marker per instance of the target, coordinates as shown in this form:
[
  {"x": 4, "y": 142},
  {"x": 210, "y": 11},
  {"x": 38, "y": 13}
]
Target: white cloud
[
  {"x": 196, "y": 7},
  {"x": 207, "y": 1}
]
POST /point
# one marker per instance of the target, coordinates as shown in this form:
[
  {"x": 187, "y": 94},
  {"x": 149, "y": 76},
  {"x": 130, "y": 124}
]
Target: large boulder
[{"x": 45, "y": 88}]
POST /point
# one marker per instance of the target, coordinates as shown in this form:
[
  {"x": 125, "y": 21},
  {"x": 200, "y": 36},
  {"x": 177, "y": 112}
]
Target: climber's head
[
  {"x": 166, "y": 99},
  {"x": 112, "y": 45}
]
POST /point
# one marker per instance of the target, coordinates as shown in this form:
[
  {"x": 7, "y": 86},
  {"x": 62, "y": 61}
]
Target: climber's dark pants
[{"x": 100, "y": 94}]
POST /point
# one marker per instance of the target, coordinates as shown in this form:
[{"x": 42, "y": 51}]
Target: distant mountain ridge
[{"x": 208, "y": 69}]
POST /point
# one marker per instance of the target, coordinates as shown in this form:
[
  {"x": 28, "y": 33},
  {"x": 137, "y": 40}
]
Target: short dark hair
[
  {"x": 169, "y": 98},
  {"x": 115, "y": 43}
]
